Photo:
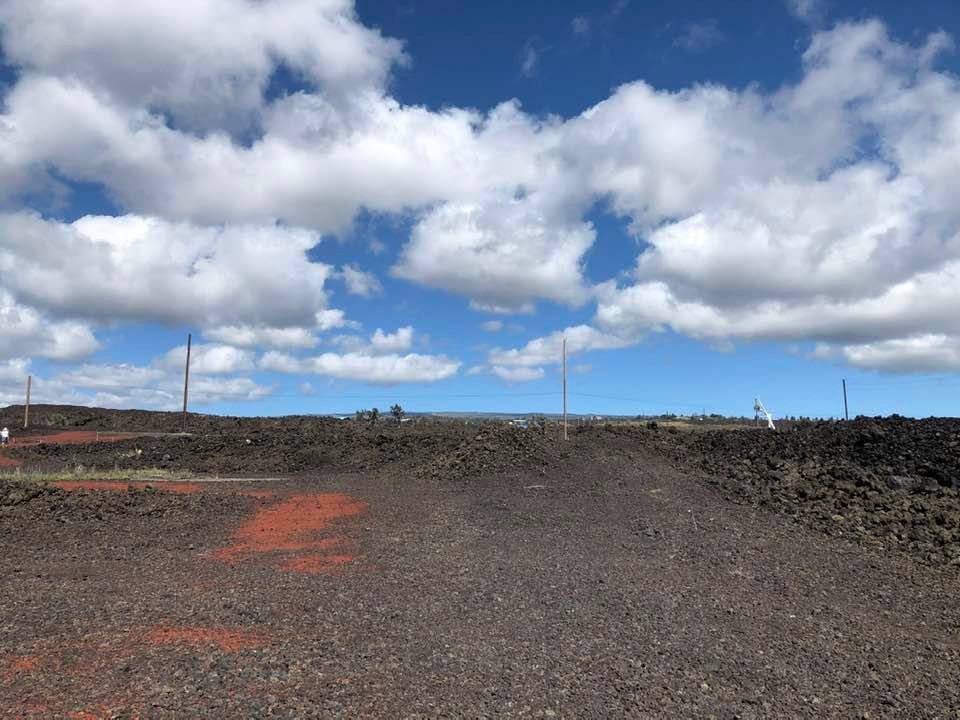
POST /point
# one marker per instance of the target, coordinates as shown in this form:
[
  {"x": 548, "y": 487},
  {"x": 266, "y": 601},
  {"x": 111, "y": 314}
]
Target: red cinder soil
[
  {"x": 111, "y": 654},
  {"x": 292, "y": 526},
  {"x": 85, "y": 715},
  {"x": 71, "y": 437},
  {"x": 31, "y": 710},
  {"x": 182, "y": 488},
  {"x": 20, "y": 665},
  {"x": 228, "y": 641}
]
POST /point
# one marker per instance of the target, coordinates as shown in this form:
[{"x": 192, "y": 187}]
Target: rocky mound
[
  {"x": 889, "y": 482},
  {"x": 494, "y": 450},
  {"x": 50, "y": 418},
  {"x": 292, "y": 446},
  {"x": 25, "y": 501}
]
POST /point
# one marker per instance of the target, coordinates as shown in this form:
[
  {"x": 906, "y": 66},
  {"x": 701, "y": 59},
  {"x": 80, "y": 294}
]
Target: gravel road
[{"x": 617, "y": 583}]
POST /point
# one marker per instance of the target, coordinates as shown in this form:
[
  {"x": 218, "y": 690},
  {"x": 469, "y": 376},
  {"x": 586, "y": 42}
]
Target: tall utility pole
[
  {"x": 564, "y": 388},
  {"x": 26, "y": 407},
  {"x": 846, "y": 412},
  {"x": 186, "y": 382}
]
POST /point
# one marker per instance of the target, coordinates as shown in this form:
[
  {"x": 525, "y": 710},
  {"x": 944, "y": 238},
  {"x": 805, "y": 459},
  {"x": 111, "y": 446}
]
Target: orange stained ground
[
  {"x": 70, "y": 437},
  {"x": 227, "y": 641},
  {"x": 20, "y": 665},
  {"x": 184, "y": 488},
  {"x": 293, "y": 527},
  {"x": 114, "y": 650}
]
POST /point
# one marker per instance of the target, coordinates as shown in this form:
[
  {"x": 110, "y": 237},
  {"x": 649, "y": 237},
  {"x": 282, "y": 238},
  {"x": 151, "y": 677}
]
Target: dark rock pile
[
  {"x": 889, "y": 482},
  {"x": 493, "y": 451},
  {"x": 22, "y": 500},
  {"x": 289, "y": 446}
]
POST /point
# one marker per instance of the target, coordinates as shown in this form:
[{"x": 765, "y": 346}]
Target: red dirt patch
[
  {"x": 291, "y": 527},
  {"x": 228, "y": 641},
  {"x": 183, "y": 488},
  {"x": 118, "y": 708},
  {"x": 33, "y": 709},
  {"x": 20, "y": 665},
  {"x": 117, "y": 648},
  {"x": 71, "y": 437},
  {"x": 100, "y": 653}
]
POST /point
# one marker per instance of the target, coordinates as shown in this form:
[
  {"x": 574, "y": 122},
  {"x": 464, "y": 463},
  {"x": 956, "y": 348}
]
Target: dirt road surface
[{"x": 606, "y": 580}]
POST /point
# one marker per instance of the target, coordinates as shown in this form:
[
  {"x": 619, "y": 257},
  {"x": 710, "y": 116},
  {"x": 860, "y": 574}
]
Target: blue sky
[{"x": 350, "y": 206}]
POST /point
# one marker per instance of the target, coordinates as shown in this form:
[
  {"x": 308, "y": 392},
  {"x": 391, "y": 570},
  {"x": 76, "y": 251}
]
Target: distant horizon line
[{"x": 385, "y": 413}]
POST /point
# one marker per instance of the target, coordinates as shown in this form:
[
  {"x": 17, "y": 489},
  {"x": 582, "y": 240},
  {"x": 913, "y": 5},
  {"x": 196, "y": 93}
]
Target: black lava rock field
[
  {"x": 890, "y": 482},
  {"x": 313, "y": 568}
]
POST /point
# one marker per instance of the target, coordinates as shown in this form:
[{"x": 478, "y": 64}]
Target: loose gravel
[{"x": 630, "y": 572}]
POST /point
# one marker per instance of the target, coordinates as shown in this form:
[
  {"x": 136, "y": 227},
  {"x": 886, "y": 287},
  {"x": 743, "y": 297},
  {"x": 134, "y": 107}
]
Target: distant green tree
[
  {"x": 360, "y": 415},
  {"x": 373, "y": 416},
  {"x": 397, "y": 412}
]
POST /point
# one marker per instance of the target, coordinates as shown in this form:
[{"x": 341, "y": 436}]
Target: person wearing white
[{"x": 4, "y": 437}]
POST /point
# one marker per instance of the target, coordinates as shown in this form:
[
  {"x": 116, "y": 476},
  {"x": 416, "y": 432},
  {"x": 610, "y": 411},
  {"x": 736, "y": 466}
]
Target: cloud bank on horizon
[{"x": 822, "y": 211}]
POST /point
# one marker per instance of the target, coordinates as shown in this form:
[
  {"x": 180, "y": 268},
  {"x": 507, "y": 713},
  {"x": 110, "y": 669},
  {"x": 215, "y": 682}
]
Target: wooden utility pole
[
  {"x": 26, "y": 407},
  {"x": 564, "y": 388},
  {"x": 846, "y": 411},
  {"x": 186, "y": 382}
]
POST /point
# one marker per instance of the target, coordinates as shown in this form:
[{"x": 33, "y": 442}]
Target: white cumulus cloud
[
  {"x": 26, "y": 332},
  {"x": 823, "y": 210},
  {"x": 400, "y": 340},
  {"x": 13, "y": 372},
  {"x": 206, "y": 62},
  {"x": 504, "y": 254},
  {"x": 142, "y": 269},
  {"x": 548, "y": 350},
  {"x": 388, "y": 369},
  {"x": 359, "y": 282},
  {"x": 922, "y": 353},
  {"x": 517, "y": 374},
  {"x": 209, "y": 359},
  {"x": 247, "y": 336}
]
